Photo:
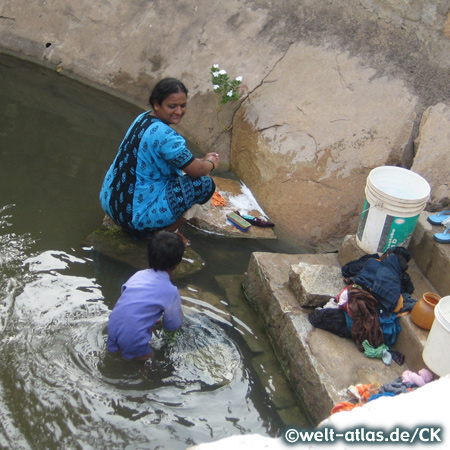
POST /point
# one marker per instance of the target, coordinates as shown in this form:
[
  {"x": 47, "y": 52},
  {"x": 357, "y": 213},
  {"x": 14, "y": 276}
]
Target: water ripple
[{"x": 75, "y": 395}]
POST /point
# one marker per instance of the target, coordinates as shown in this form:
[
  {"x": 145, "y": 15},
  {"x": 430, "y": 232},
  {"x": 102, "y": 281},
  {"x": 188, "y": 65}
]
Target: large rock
[
  {"x": 432, "y": 159},
  {"x": 305, "y": 144}
]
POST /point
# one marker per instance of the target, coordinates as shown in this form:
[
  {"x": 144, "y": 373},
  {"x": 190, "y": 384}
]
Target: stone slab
[
  {"x": 237, "y": 197},
  {"x": 318, "y": 363},
  {"x": 110, "y": 240},
  {"x": 314, "y": 284}
]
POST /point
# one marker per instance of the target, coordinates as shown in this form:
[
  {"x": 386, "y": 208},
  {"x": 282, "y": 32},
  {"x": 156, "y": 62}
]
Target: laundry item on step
[
  {"x": 218, "y": 200},
  {"x": 378, "y": 289},
  {"x": 358, "y": 395}
]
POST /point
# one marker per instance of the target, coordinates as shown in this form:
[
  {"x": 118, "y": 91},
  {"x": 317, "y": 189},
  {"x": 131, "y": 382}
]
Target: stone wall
[
  {"x": 413, "y": 13},
  {"x": 332, "y": 89}
]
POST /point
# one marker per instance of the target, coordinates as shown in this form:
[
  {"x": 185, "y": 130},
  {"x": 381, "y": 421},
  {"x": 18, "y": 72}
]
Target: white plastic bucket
[
  {"x": 435, "y": 353},
  {"x": 395, "y": 197}
]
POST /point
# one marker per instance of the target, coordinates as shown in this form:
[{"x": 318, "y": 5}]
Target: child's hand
[{"x": 171, "y": 336}]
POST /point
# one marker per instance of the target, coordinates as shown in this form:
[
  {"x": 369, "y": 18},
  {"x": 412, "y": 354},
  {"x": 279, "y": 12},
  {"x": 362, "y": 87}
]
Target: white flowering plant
[
  {"x": 224, "y": 86},
  {"x": 228, "y": 90}
]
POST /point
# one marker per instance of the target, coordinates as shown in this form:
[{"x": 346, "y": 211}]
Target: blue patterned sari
[{"x": 145, "y": 189}]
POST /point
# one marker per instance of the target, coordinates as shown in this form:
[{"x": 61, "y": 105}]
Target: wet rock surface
[
  {"x": 109, "y": 239},
  {"x": 237, "y": 197}
]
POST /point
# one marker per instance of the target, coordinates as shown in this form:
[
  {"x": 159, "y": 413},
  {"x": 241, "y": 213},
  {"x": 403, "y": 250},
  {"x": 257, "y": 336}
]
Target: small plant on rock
[{"x": 227, "y": 90}]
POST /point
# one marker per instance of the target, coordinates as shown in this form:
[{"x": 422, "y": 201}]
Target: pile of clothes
[
  {"x": 360, "y": 394},
  {"x": 378, "y": 290}
]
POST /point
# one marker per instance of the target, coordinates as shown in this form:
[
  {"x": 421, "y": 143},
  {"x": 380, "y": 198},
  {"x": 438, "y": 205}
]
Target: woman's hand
[
  {"x": 204, "y": 166},
  {"x": 213, "y": 159}
]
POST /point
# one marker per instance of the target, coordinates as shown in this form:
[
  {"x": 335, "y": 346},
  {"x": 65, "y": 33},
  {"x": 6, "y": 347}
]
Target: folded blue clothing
[{"x": 382, "y": 278}]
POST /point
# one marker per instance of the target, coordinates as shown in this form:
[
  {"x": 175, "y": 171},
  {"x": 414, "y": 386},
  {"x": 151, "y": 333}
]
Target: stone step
[
  {"x": 412, "y": 339},
  {"x": 431, "y": 257},
  {"x": 318, "y": 363}
]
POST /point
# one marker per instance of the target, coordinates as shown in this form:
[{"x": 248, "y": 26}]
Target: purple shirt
[{"x": 145, "y": 297}]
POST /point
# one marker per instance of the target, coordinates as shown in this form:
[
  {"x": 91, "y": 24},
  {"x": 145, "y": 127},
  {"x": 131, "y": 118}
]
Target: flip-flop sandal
[
  {"x": 437, "y": 219},
  {"x": 443, "y": 238}
]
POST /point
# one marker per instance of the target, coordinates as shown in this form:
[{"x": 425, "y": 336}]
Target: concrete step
[
  {"x": 431, "y": 257},
  {"x": 412, "y": 339},
  {"x": 318, "y": 363}
]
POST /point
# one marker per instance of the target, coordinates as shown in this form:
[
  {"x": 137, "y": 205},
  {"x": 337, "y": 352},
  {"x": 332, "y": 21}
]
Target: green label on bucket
[
  {"x": 396, "y": 231},
  {"x": 362, "y": 222}
]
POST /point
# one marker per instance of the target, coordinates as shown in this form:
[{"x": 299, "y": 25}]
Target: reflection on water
[{"x": 58, "y": 386}]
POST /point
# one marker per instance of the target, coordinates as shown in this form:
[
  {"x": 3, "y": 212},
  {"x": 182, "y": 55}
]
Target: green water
[{"x": 58, "y": 387}]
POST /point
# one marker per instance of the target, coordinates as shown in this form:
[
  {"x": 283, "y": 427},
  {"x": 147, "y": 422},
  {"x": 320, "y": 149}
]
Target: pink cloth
[
  {"x": 424, "y": 376},
  {"x": 342, "y": 299}
]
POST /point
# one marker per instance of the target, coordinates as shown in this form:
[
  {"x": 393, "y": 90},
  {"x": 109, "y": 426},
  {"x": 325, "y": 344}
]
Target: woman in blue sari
[{"x": 154, "y": 181}]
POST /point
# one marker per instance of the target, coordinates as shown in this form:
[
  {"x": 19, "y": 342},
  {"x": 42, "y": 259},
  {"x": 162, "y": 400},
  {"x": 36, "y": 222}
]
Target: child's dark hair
[
  {"x": 164, "y": 88},
  {"x": 165, "y": 251}
]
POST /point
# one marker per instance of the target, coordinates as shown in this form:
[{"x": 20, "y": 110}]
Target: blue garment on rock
[
  {"x": 145, "y": 189},
  {"x": 390, "y": 324},
  {"x": 396, "y": 387},
  {"x": 384, "y": 394},
  {"x": 408, "y": 302},
  {"x": 382, "y": 279},
  {"x": 146, "y": 296}
]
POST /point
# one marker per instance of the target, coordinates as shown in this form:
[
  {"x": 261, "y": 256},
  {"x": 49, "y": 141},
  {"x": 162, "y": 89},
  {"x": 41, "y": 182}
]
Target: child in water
[{"x": 146, "y": 296}]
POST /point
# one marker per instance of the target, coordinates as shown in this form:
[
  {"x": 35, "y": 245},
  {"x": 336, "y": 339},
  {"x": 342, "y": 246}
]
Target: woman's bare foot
[
  {"x": 186, "y": 241},
  {"x": 174, "y": 229}
]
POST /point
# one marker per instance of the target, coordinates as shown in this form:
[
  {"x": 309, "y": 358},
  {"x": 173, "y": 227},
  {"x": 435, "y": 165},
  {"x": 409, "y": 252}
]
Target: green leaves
[{"x": 227, "y": 89}]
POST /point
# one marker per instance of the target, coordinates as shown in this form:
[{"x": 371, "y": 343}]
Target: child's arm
[{"x": 173, "y": 316}]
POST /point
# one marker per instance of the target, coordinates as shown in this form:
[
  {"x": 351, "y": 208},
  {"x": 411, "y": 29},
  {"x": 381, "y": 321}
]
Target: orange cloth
[
  {"x": 218, "y": 200},
  {"x": 343, "y": 406},
  {"x": 361, "y": 392}
]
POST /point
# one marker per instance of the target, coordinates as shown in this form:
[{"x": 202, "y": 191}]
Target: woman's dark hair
[
  {"x": 165, "y": 251},
  {"x": 164, "y": 88}
]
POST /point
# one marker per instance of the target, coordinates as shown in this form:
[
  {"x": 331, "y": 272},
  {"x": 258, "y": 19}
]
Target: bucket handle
[{"x": 377, "y": 204}]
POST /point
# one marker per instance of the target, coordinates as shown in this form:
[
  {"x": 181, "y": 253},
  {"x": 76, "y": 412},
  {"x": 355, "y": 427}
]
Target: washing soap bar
[{"x": 238, "y": 221}]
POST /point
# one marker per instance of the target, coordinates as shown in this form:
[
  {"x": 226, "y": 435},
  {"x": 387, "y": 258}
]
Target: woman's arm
[{"x": 204, "y": 166}]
